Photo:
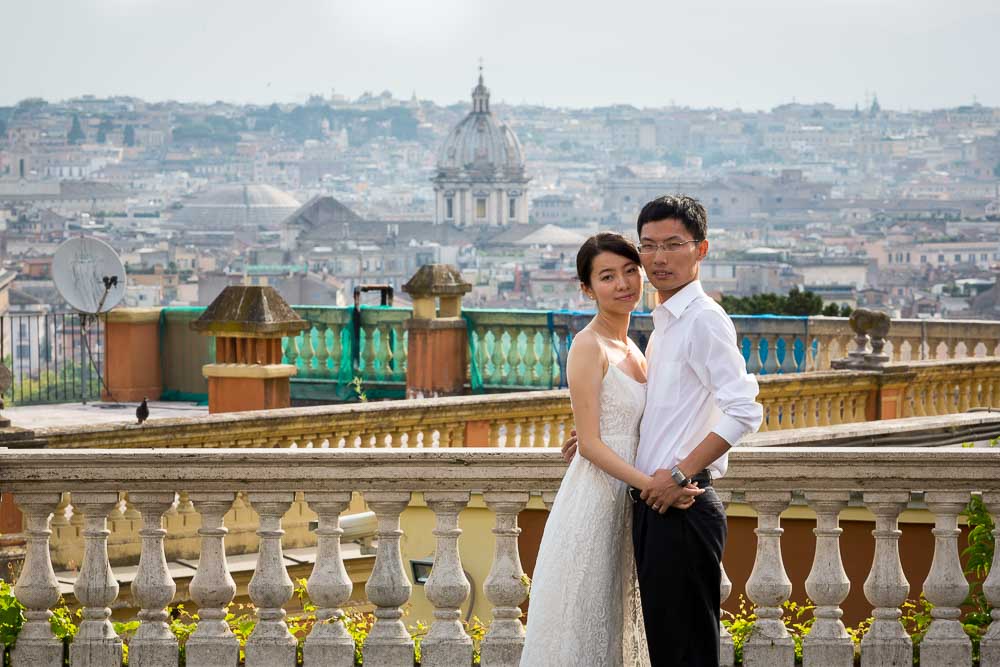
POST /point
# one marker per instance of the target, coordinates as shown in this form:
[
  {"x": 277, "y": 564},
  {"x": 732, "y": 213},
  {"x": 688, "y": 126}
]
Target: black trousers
[{"x": 677, "y": 557}]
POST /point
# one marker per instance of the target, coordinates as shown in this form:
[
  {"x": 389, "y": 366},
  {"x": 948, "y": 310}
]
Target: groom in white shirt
[{"x": 699, "y": 402}]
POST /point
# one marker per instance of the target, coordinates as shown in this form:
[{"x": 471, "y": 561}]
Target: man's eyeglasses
[{"x": 667, "y": 246}]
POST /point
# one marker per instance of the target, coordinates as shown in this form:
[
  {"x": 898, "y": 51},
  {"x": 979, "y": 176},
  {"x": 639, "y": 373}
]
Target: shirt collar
[{"x": 678, "y": 303}]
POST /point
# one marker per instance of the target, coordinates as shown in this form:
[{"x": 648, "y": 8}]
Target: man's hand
[
  {"x": 663, "y": 492},
  {"x": 569, "y": 447}
]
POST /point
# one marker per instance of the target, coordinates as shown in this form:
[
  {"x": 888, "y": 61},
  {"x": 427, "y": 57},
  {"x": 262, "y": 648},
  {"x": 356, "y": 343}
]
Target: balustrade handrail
[
  {"x": 277, "y": 428},
  {"x": 281, "y": 427},
  {"x": 482, "y": 469}
]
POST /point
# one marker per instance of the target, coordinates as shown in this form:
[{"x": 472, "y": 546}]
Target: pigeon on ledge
[{"x": 142, "y": 412}]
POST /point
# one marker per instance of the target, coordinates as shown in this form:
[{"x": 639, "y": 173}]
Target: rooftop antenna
[{"x": 90, "y": 277}]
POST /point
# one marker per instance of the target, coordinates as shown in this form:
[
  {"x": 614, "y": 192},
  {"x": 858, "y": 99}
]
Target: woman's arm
[{"x": 585, "y": 370}]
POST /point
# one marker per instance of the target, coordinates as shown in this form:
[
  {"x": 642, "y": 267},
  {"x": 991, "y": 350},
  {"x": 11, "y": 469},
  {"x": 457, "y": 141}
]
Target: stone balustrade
[
  {"x": 827, "y": 480},
  {"x": 947, "y": 387},
  {"x": 823, "y": 398},
  {"x": 524, "y": 349}
]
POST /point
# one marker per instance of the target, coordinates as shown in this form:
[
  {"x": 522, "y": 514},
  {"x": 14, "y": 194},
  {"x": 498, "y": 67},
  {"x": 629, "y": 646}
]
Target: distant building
[
  {"x": 552, "y": 209},
  {"x": 480, "y": 177},
  {"x": 236, "y": 207}
]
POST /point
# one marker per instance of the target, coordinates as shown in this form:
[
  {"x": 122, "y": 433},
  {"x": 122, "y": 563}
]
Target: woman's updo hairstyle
[{"x": 598, "y": 243}]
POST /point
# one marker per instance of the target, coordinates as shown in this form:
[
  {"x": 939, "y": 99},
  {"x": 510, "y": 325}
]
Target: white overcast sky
[{"x": 726, "y": 53}]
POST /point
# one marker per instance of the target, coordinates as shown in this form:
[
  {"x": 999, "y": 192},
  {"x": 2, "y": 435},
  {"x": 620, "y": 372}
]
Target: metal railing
[{"x": 52, "y": 357}]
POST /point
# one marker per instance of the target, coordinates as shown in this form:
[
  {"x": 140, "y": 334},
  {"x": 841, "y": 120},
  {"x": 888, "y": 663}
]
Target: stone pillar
[
  {"x": 438, "y": 348},
  {"x": 945, "y": 587},
  {"x": 133, "y": 366},
  {"x": 887, "y": 642},
  {"x": 37, "y": 588},
  {"x": 248, "y": 323},
  {"x": 827, "y": 585}
]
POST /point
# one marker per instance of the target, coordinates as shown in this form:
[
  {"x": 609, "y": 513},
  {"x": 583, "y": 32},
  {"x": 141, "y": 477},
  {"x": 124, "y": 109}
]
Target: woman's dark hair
[
  {"x": 598, "y": 243},
  {"x": 676, "y": 207}
]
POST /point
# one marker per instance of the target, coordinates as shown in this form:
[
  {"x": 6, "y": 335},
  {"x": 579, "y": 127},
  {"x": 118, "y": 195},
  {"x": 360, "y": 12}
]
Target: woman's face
[{"x": 615, "y": 283}]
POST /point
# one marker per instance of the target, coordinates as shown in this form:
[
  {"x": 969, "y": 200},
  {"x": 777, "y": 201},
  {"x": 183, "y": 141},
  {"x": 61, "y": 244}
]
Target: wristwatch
[{"x": 679, "y": 477}]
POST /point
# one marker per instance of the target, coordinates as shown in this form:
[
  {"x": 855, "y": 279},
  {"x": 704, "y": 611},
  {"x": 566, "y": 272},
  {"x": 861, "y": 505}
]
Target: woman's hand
[{"x": 569, "y": 447}]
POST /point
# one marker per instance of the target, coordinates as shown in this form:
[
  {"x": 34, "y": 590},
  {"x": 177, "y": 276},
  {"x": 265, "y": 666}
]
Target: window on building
[
  {"x": 940, "y": 259},
  {"x": 907, "y": 258},
  {"x": 449, "y": 207},
  {"x": 984, "y": 257},
  {"x": 512, "y": 208},
  {"x": 480, "y": 207},
  {"x": 923, "y": 259},
  {"x": 958, "y": 258}
]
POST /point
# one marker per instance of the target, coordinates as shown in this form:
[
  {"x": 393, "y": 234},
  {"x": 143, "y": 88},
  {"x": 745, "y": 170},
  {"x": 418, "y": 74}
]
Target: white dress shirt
[{"x": 697, "y": 383}]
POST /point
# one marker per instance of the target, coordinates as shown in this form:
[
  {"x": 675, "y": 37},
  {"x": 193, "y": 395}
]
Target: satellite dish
[{"x": 89, "y": 275}]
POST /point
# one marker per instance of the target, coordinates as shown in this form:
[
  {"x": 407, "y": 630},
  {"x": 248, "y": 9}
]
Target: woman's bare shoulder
[{"x": 585, "y": 348}]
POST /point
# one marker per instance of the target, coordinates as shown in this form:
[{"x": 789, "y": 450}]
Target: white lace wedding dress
[{"x": 584, "y": 607}]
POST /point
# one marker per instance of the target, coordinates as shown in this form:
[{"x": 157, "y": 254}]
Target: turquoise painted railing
[
  {"x": 341, "y": 346},
  {"x": 515, "y": 349},
  {"x": 526, "y": 349},
  {"x": 508, "y": 349}
]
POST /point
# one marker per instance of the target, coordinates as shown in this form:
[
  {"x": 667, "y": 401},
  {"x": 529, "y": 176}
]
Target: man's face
[{"x": 669, "y": 271}]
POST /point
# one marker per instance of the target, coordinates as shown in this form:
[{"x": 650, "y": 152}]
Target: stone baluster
[
  {"x": 827, "y": 644},
  {"x": 329, "y": 644},
  {"x": 945, "y": 587},
  {"x": 989, "y": 647},
  {"x": 337, "y": 350},
  {"x": 769, "y": 644},
  {"x": 307, "y": 354},
  {"x": 771, "y": 363},
  {"x": 505, "y": 586},
  {"x": 369, "y": 355},
  {"x": 823, "y": 357},
  {"x": 212, "y": 587},
  {"x": 402, "y": 345},
  {"x": 96, "y": 644},
  {"x": 153, "y": 645},
  {"x": 809, "y": 406},
  {"x": 499, "y": 358},
  {"x": 754, "y": 364},
  {"x": 968, "y": 393},
  {"x": 388, "y": 588},
  {"x": 788, "y": 364},
  {"x": 321, "y": 351},
  {"x": 270, "y": 644},
  {"x": 530, "y": 359},
  {"x": 60, "y": 517},
  {"x": 292, "y": 349},
  {"x": 37, "y": 588},
  {"x": 727, "y": 652},
  {"x": 447, "y": 643},
  {"x": 887, "y": 642}
]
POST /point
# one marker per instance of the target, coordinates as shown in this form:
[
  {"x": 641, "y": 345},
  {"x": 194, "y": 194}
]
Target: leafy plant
[{"x": 358, "y": 389}]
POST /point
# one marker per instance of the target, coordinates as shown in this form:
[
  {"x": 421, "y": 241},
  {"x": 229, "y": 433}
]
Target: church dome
[{"x": 480, "y": 144}]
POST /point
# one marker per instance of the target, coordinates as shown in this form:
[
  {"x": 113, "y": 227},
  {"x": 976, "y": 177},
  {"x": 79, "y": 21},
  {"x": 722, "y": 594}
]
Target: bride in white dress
[{"x": 584, "y": 607}]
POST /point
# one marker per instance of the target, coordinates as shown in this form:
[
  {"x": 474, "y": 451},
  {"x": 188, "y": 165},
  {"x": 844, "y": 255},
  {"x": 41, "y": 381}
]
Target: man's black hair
[{"x": 676, "y": 207}]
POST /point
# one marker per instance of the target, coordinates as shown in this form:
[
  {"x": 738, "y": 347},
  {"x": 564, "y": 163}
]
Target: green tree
[
  {"x": 106, "y": 126},
  {"x": 797, "y": 302},
  {"x": 76, "y": 134}
]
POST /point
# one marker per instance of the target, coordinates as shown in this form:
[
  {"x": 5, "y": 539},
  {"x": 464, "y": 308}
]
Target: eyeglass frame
[{"x": 665, "y": 246}]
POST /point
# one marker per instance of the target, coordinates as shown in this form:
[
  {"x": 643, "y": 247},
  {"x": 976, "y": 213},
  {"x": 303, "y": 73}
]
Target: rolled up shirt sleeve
[{"x": 717, "y": 360}]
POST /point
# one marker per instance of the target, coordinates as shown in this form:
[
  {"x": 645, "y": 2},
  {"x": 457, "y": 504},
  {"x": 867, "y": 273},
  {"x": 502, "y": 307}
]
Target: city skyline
[{"x": 912, "y": 56}]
